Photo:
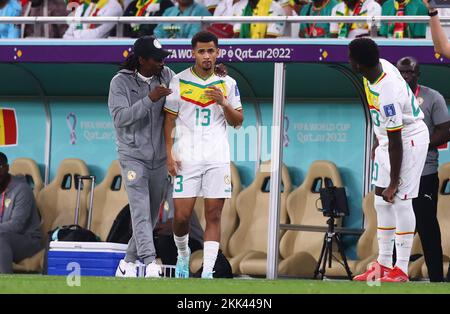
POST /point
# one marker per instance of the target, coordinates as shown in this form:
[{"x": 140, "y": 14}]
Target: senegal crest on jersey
[{"x": 195, "y": 93}]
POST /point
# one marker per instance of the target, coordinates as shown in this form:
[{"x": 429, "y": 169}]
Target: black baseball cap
[{"x": 149, "y": 47}]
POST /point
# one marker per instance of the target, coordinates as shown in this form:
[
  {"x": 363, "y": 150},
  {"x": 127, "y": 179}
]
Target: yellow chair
[
  {"x": 110, "y": 198},
  {"x": 300, "y": 250},
  {"x": 248, "y": 244},
  {"x": 28, "y": 168},
  {"x": 57, "y": 201}
]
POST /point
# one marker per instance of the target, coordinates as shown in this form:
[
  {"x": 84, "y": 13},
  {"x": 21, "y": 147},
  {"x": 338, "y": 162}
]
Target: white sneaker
[
  {"x": 153, "y": 270},
  {"x": 126, "y": 269},
  {"x": 208, "y": 275}
]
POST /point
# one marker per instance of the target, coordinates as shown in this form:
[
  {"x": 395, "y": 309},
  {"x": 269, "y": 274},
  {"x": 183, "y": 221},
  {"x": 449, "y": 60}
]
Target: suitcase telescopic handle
[
  {"x": 86, "y": 177},
  {"x": 91, "y": 199}
]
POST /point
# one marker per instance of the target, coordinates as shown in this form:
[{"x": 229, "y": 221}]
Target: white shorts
[
  {"x": 203, "y": 180},
  {"x": 412, "y": 166}
]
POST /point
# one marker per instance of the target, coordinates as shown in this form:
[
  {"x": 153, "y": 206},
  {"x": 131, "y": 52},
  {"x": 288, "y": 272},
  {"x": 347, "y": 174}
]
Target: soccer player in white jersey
[
  {"x": 200, "y": 107},
  {"x": 399, "y": 159}
]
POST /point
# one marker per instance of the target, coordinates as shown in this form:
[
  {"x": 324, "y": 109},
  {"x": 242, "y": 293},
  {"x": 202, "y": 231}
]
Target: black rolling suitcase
[{"x": 76, "y": 232}]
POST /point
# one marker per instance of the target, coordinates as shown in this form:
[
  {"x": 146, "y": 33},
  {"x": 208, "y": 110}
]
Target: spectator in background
[
  {"x": 437, "y": 119},
  {"x": 316, "y": 8},
  {"x": 211, "y": 5},
  {"x": 20, "y": 225},
  {"x": 72, "y": 4},
  {"x": 223, "y": 30},
  {"x": 94, "y": 8},
  {"x": 225, "y": 8},
  {"x": 353, "y": 8},
  {"x": 144, "y": 8},
  {"x": 403, "y": 8},
  {"x": 54, "y": 8},
  {"x": 298, "y": 5},
  {"x": 288, "y": 6},
  {"x": 10, "y": 8},
  {"x": 258, "y": 8},
  {"x": 126, "y": 3},
  {"x": 184, "y": 8}
]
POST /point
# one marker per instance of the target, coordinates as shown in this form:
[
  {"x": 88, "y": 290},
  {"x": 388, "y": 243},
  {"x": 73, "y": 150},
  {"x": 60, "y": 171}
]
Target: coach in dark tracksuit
[
  {"x": 437, "y": 119},
  {"x": 136, "y": 97}
]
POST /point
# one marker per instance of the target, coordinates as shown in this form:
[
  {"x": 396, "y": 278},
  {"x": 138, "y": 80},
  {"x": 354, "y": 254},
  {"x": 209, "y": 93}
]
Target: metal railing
[
  {"x": 120, "y": 21},
  {"x": 213, "y": 19}
]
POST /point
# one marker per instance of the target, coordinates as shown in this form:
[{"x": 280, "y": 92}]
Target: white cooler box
[{"x": 94, "y": 258}]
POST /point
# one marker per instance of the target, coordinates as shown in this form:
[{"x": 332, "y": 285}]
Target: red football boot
[
  {"x": 395, "y": 275},
  {"x": 376, "y": 271}
]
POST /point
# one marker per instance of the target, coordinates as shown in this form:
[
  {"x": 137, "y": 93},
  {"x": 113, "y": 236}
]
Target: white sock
[
  {"x": 210, "y": 250},
  {"x": 404, "y": 235},
  {"x": 385, "y": 246},
  {"x": 182, "y": 244},
  {"x": 403, "y": 245},
  {"x": 385, "y": 231}
]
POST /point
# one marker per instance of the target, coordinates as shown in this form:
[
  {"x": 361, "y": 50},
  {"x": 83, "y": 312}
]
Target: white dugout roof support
[{"x": 275, "y": 169}]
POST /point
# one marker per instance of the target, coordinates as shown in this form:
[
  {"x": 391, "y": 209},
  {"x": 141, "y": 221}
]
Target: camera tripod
[{"x": 327, "y": 251}]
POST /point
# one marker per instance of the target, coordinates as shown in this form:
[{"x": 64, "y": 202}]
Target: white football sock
[
  {"x": 182, "y": 244},
  {"x": 385, "y": 231},
  {"x": 210, "y": 250},
  {"x": 404, "y": 235}
]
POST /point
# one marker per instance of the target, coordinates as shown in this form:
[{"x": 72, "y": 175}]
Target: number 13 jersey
[{"x": 201, "y": 127}]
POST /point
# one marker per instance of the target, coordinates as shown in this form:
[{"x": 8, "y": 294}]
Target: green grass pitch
[{"x": 58, "y": 284}]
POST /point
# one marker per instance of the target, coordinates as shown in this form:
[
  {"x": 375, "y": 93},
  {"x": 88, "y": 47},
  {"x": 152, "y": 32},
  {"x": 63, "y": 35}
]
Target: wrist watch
[{"x": 432, "y": 12}]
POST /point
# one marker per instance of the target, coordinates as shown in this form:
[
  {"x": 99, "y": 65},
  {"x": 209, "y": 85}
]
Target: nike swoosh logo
[{"x": 122, "y": 271}]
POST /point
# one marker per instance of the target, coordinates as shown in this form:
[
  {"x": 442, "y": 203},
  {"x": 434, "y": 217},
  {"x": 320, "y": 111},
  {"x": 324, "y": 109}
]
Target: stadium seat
[
  {"x": 28, "y": 168},
  {"x": 443, "y": 215},
  {"x": 248, "y": 244},
  {"x": 110, "y": 198},
  {"x": 300, "y": 250},
  {"x": 57, "y": 201},
  {"x": 229, "y": 219}
]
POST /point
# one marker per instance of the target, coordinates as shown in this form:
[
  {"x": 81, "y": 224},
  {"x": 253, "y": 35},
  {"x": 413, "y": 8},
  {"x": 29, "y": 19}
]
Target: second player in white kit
[
  {"x": 201, "y": 140},
  {"x": 402, "y": 139},
  {"x": 394, "y": 107}
]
